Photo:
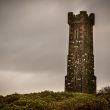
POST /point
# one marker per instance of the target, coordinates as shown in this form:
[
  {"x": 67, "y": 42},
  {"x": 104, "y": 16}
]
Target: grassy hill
[{"x": 49, "y": 100}]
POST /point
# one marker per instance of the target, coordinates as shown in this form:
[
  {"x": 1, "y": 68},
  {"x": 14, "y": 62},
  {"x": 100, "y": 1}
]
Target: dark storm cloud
[{"x": 34, "y": 42}]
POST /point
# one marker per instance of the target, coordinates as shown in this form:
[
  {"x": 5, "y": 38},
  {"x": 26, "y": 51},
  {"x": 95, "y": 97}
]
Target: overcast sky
[{"x": 34, "y": 43}]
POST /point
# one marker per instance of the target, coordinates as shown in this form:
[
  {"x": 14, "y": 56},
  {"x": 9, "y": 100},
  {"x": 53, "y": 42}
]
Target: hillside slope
[{"x": 49, "y": 100}]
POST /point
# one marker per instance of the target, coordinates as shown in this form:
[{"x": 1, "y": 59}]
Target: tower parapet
[{"x": 83, "y": 17}]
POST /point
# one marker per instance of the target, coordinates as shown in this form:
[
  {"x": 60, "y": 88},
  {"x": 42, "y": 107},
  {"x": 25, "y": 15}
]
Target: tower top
[{"x": 82, "y": 17}]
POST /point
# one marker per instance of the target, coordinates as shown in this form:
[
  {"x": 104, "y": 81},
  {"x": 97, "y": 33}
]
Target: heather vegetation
[{"x": 49, "y": 100}]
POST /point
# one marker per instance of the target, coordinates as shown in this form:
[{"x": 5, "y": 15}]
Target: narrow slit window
[
  {"x": 77, "y": 34},
  {"x": 74, "y": 34},
  {"x": 75, "y": 82}
]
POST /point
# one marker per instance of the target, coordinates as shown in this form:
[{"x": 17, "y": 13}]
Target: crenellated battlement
[{"x": 83, "y": 17}]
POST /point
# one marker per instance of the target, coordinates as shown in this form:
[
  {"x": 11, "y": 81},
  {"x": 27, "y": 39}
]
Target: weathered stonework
[{"x": 80, "y": 68}]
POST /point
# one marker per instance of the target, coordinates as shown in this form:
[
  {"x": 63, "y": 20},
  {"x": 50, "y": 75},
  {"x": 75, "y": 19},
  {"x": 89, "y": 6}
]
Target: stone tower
[{"x": 80, "y": 64}]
